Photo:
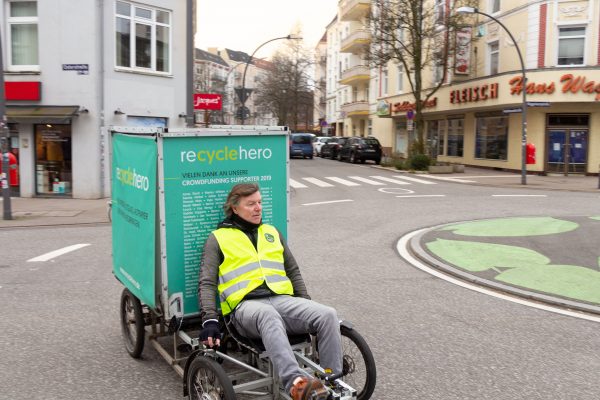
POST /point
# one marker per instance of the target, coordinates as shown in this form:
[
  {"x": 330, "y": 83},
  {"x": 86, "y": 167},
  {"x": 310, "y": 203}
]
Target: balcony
[
  {"x": 356, "y": 109},
  {"x": 354, "y": 10},
  {"x": 355, "y": 75},
  {"x": 356, "y": 42}
]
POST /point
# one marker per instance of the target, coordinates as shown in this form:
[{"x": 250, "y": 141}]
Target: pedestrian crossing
[{"x": 355, "y": 180}]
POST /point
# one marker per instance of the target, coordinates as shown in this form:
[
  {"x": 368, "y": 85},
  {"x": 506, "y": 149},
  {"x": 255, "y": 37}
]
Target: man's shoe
[{"x": 308, "y": 389}]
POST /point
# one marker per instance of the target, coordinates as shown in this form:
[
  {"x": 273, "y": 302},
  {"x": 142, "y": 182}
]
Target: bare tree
[
  {"x": 416, "y": 34},
  {"x": 285, "y": 90}
]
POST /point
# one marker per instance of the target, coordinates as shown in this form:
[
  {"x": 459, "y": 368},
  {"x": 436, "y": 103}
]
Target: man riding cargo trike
[{"x": 200, "y": 244}]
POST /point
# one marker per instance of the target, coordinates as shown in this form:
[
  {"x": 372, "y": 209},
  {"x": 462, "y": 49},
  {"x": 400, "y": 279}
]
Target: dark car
[
  {"x": 357, "y": 149},
  {"x": 332, "y": 147}
]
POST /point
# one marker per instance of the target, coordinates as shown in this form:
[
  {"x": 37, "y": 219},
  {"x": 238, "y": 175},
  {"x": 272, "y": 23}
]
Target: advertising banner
[
  {"x": 208, "y": 101},
  {"x": 133, "y": 214},
  {"x": 199, "y": 172}
]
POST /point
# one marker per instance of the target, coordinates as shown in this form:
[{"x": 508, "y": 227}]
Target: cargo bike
[{"x": 167, "y": 191}]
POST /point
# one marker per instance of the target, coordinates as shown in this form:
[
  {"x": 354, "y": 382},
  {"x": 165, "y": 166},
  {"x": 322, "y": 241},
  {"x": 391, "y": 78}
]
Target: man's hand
[{"x": 210, "y": 334}]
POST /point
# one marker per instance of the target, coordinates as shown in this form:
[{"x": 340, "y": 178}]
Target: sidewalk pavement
[{"x": 28, "y": 211}]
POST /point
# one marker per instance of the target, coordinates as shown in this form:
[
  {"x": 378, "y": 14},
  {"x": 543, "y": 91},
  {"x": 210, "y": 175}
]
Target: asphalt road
[{"x": 60, "y": 328}]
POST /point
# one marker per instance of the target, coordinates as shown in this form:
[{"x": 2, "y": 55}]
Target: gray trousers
[{"x": 271, "y": 318}]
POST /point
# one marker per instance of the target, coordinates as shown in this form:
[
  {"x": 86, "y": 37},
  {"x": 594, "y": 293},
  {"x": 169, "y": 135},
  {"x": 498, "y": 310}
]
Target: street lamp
[
  {"x": 473, "y": 10},
  {"x": 243, "y": 95}
]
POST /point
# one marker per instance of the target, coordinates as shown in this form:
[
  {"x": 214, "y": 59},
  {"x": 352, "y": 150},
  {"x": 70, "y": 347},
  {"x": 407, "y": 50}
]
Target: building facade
[
  {"x": 476, "y": 118},
  {"x": 73, "y": 69},
  {"x": 212, "y": 74}
]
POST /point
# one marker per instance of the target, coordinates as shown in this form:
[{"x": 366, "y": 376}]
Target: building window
[
  {"x": 571, "y": 45},
  {"x": 400, "y": 77},
  {"x": 456, "y": 134},
  {"x": 494, "y": 52},
  {"x": 384, "y": 81},
  {"x": 494, "y": 6},
  {"x": 440, "y": 12},
  {"x": 22, "y": 22},
  {"x": 143, "y": 37},
  {"x": 438, "y": 68},
  {"x": 491, "y": 138}
]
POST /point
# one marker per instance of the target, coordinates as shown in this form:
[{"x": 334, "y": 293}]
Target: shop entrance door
[{"x": 567, "y": 151}]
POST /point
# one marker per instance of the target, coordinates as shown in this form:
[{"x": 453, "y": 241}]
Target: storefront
[
  {"x": 479, "y": 122},
  {"x": 41, "y": 138}
]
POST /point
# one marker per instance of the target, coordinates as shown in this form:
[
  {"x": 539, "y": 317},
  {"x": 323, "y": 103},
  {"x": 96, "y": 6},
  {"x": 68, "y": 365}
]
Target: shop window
[
  {"x": 22, "y": 22},
  {"x": 143, "y": 37},
  {"x": 53, "y": 159},
  {"x": 494, "y": 54},
  {"x": 571, "y": 45},
  {"x": 456, "y": 135},
  {"x": 436, "y": 137},
  {"x": 491, "y": 138}
]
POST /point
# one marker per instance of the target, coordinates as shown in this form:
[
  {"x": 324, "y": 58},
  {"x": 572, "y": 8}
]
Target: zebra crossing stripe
[
  {"x": 342, "y": 181},
  {"x": 366, "y": 180},
  {"x": 318, "y": 182},
  {"x": 410, "y": 178},
  {"x": 296, "y": 184},
  {"x": 386, "y": 179},
  {"x": 440, "y": 178}
]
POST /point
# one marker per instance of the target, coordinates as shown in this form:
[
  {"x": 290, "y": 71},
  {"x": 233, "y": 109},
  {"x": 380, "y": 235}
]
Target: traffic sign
[
  {"x": 512, "y": 110},
  {"x": 538, "y": 104}
]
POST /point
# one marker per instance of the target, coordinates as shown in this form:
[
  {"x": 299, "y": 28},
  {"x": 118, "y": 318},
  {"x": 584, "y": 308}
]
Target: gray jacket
[{"x": 212, "y": 258}]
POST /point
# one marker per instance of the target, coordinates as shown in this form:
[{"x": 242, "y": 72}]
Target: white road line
[
  {"x": 391, "y": 180},
  {"x": 410, "y": 178},
  {"x": 326, "y": 202},
  {"x": 342, "y": 181},
  {"x": 296, "y": 184},
  {"x": 402, "y": 245},
  {"x": 425, "y": 195},
  {"x": 366, "y": 180},
  {"x": 441, "y": 178},
  {"x": 59, "y": 252},
  {"x": 490, "y": 176},
  {"x": 318, "y": 182},
  {"x": 519, "y": 195}
]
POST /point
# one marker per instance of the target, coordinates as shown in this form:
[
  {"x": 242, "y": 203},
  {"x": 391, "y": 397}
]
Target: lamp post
[
  {"x": 4, "y": 138},
  {"x": 473, "y": 10},
  {"x": 243, "y": 95}
]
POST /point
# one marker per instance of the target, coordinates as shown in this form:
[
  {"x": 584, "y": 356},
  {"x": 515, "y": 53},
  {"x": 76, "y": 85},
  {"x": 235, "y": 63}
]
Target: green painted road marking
[
  {"x": 477, "y": 257},
  {"x": 596, "y": 218},
  {"x": 511, "y": 227},
  {"x": 569, "y": 281}
]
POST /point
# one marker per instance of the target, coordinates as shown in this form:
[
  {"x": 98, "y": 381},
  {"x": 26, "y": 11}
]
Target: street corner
[{"x": 550, "y": 259}]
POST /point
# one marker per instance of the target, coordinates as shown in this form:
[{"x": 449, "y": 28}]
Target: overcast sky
[{"x": 244, "y": 25}]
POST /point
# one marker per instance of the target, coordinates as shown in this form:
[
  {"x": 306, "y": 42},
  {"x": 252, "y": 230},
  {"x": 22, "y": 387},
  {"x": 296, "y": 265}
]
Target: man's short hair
[{"x": 237, "y": 192}]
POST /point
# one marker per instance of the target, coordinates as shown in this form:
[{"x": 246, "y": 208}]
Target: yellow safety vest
[{"x": 245, "y": 268}]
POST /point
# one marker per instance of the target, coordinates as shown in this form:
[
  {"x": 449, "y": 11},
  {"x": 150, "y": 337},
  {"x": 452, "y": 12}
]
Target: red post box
[
  {"x": 530, "y": 153},
  {"x": 13, "y": 169}
]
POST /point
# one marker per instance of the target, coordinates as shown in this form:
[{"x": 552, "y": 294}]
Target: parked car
[
  {"x": 318, "y": 142},
  {"x": 301, "y": 145},
  {"x": 331, "y": 148},
  {"x": 360, "y": 149}
]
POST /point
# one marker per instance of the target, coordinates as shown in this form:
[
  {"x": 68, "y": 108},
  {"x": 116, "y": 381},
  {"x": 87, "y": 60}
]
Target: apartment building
[
  {"x": 212, "y": 74},
  {"x": 320, "y": 94},
  {"x": 73, "y": 69},
  {"x": 354, "y": 73},
  {"x": 255, "y": 68},
  {"x": 476, "y": 117}
]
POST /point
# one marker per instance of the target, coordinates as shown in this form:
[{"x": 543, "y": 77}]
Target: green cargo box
[{"x": 168, "y": 189}]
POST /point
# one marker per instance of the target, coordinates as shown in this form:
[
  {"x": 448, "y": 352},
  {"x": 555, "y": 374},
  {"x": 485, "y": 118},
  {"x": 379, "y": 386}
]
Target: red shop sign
[{"x": 208, "y": 101}]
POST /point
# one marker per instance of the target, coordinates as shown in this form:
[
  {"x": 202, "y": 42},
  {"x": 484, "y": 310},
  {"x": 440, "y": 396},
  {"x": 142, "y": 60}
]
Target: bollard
[{"x": 599, "y": 176}]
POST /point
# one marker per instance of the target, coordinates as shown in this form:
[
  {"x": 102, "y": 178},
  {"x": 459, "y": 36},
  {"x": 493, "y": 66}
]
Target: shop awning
[{"x": 41, "y": 114}]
